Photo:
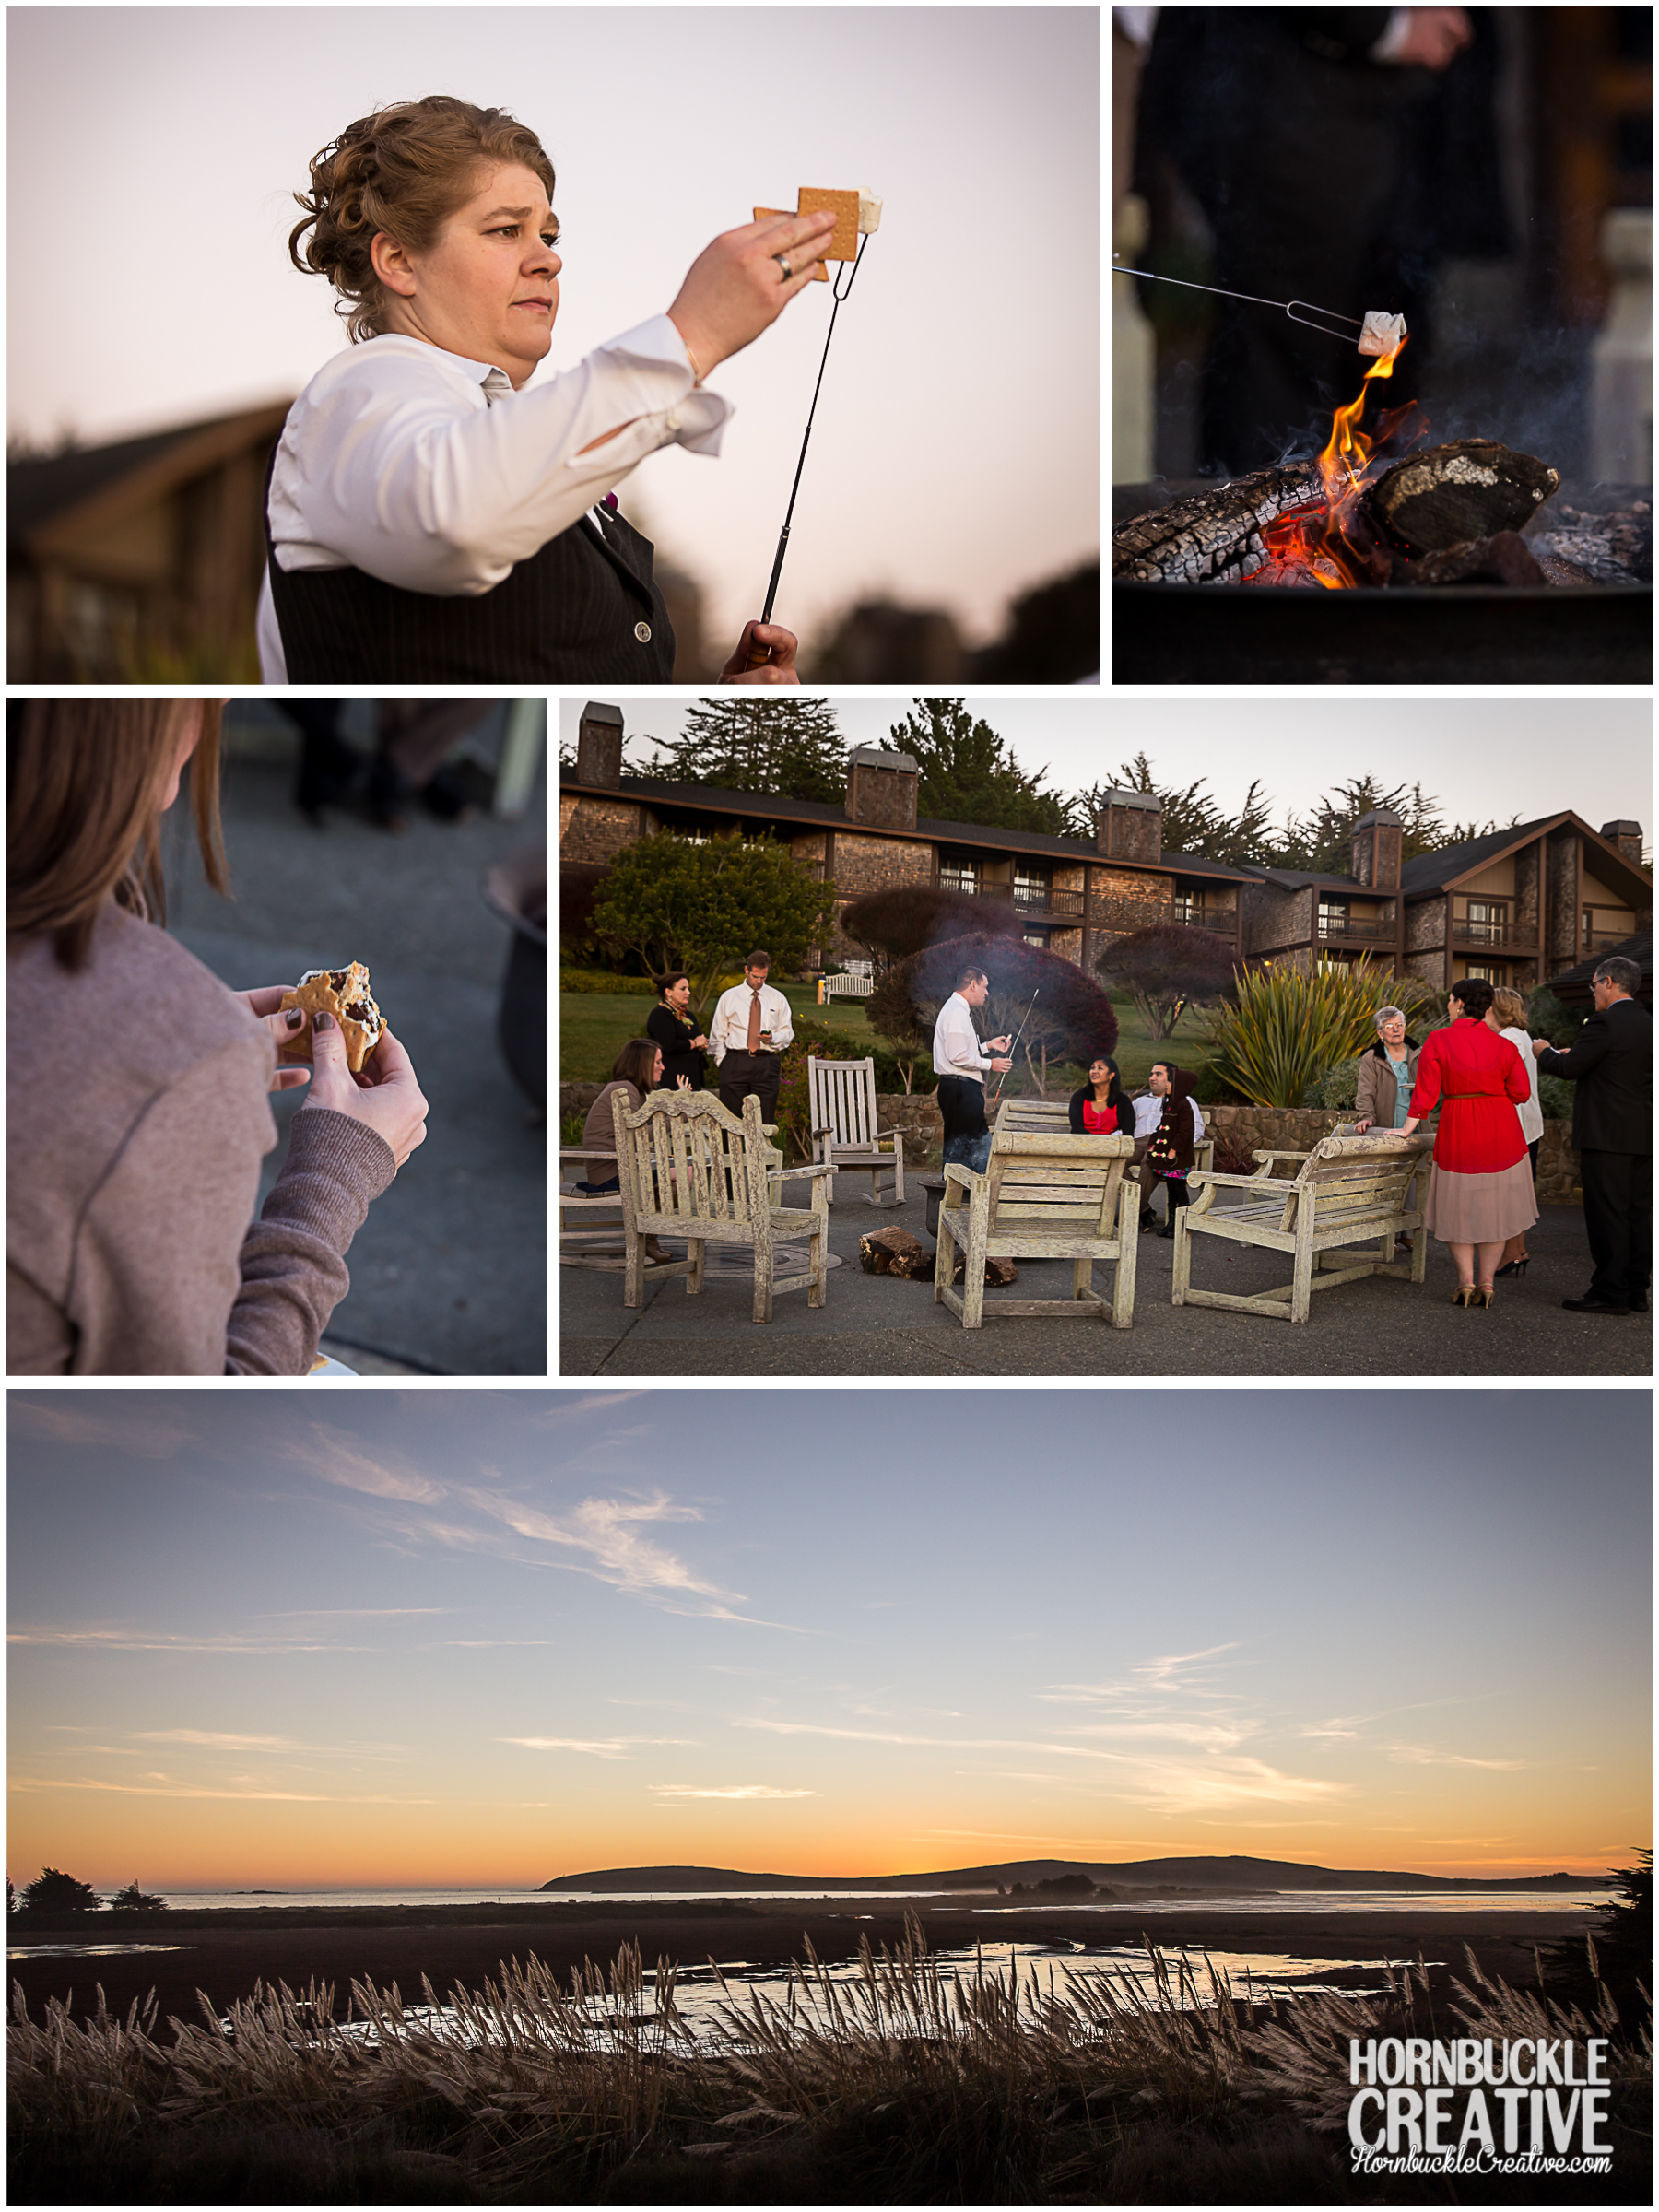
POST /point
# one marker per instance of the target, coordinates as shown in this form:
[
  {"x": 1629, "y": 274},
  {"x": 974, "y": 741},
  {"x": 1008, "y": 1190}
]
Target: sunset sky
[
  {"x": 1484, "y": 759},
  {"x": 956, "y": 457},
  {"x": 314, "y": 1638}
]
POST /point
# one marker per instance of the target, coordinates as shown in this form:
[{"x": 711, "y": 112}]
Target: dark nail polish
[
  {"x": 295, "y": 1018},
  {"x": 323, "y": 1021}
]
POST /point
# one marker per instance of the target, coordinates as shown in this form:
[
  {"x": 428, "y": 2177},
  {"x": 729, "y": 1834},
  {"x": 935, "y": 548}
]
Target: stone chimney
[
  {"x": 1130, "y": 825},
  {"x": 1627, "y": 838},
  {"x": 599, "y": 747},
  {"x": 1374, "y": 850},
  {"x": 881, "y": 788}
]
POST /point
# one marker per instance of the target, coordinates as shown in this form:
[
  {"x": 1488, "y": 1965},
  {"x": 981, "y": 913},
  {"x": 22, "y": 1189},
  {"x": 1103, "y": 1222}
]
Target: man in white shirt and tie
[
  {"x": 750, "y": 1028},
  {"x": 959, "y": 1062}
]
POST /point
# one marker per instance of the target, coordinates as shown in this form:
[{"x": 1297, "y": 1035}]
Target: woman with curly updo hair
[{"x": 429, "y": 519}]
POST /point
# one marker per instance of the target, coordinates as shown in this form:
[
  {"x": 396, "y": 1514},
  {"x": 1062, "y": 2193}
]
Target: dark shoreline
[{"x": 228, "y": 1950}]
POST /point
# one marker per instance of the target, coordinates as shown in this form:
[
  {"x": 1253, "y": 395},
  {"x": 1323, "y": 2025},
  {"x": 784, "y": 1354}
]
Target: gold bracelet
[{"x": 696, "y": 371}]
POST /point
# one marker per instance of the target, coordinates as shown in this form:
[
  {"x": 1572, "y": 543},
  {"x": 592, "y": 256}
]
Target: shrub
[
  {"x": 1166, "y": 969},
  {"x": 593, "y": 981},
  {"x": 54, "y": 1892},
  {"x": 1547, "y": 1017},
  {"x": 700, "y": 908},
  {"x": 1071, "y": 1018},
  {"x": 1334, "y": 1089},
  {"x": 1286, "y": 1028},
  {"x": 907, "y": 918},
  {"x": 1555, "y": 1098}
]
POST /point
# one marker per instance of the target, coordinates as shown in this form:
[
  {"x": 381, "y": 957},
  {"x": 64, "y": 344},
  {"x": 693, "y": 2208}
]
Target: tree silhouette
[
  {"x": 891, "y": 925},
  {"x": 133, "y": 1900},
  {"x": 969, "y": 774},
  {"x": 1168, "y": 969},
  {"x": 1069, "y": 1019},
  {"x": 792, "y": 747},
  {"x": 54, "y": 1892}
]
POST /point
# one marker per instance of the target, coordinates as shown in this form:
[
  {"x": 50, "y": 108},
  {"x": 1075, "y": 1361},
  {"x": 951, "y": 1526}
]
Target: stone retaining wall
[{"x": 1248, "y": 1128}]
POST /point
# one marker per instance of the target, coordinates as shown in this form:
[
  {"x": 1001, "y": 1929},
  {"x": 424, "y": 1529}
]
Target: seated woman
[
  {"x": 669, "y": 1023},
  {"x": 430, "y": 521},
  {"x": 1098, "y": 1109},
  {"x": 636, "y": 1070},
  {"x": 137, "y": 1081},
  {"x": 1480, "y": 1191}
]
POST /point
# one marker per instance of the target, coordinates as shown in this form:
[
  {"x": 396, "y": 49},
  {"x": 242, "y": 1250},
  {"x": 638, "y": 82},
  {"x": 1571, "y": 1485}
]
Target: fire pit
[{"x": 1236, "y": 632}]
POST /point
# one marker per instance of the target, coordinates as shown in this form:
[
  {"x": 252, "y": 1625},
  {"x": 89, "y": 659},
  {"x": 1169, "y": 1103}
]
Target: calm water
[{"x": 1265, "y": 1900}]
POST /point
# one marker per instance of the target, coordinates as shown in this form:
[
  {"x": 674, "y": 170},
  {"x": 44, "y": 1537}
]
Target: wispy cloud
[
  {"x": 161, "y": 1786},
  {"x": 343, "y": 1460},
  {"x": 135, "y": 1433},
  {"x": 1428, "y": 1755},
  {"x": 573, "y": 1410},
  {"x": 139, "y": 1639},
  {"x": 606, "y": 1746},
  {"x": 746, "y": 1789}
]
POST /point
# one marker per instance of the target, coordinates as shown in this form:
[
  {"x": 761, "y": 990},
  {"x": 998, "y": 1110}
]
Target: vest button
[{"x": 642, "y": 631}]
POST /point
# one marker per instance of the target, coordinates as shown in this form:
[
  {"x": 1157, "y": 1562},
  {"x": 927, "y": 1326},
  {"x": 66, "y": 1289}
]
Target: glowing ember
[{"x": 1330, "y": 543}]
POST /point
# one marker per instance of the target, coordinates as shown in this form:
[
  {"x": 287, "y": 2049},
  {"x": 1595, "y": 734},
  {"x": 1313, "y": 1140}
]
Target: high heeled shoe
[
  {"x": 1518, "y": 1267},
  {"x": 1483, "y": 1294},
  {"x": 1465, "y": 1294}
]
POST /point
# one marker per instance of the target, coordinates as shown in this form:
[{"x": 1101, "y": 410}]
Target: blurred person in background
[
  {"x": 636, "y": 1071},
  {"x": 1338, "y": 156},
  {"x": 1507, "y": 1014},
  {"x": 137, "y": 1081},
  {"x": 411, "y": 759},
  {"x": 428, "y": 519}
]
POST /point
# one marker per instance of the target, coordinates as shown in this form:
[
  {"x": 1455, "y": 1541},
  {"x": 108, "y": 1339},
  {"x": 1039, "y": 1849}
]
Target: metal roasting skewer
[
  {"x": 1289, "y": 306},
  {"x": 1014, "y": 1047},
  {"x": 758, "y": 655}
]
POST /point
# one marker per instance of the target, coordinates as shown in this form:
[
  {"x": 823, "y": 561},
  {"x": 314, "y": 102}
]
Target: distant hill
[{"x": 1128, "y": 1877}]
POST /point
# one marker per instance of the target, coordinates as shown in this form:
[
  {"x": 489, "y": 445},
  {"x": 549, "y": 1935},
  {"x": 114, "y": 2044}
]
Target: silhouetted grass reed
[{"x": 912, "y": 2079}]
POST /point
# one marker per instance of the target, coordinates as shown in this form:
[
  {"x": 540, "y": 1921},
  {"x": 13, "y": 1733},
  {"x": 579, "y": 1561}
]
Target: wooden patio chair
[
  {"x": 583, "y": 1243},
  {"x": 841, "y": 1095},
  {"x": 1055, "y": 1114},
  {"x": 691, "y": 1169},
  {"x": 1046, "y": 1195},
  {"x": 1348, "y": 1191}
]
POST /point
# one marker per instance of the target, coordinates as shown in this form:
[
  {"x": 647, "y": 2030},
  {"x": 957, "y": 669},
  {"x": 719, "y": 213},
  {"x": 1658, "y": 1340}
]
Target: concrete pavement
[{"x": 886, "y": 1326}]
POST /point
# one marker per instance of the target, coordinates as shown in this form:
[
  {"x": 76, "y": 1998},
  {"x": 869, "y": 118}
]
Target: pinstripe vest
[{"x": 572, "y": 612}]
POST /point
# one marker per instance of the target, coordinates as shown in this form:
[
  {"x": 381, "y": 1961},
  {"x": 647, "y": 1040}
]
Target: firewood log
[
  {"x": 1214, "y": 536},
  {"x": 1454, "y": 494},
  {"x": 1505, "y": 558}
]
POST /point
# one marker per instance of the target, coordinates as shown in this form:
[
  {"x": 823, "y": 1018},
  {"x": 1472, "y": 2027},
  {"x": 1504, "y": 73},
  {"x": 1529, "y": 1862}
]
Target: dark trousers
[
  {"x": 750, "y": 1075},
  {"x": 967, "y": 1133},
  {"x": 1618, "y": 1220}
]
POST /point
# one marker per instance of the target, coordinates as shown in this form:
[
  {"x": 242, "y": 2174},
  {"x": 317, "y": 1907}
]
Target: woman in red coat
[{"x": 1480, "y": 1190}]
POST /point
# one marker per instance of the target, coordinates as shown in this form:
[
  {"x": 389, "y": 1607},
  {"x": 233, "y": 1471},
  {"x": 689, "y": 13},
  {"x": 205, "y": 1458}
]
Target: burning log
[
  {"x": 1453, "y": 495},
  {"x": 1213, "y": 537},
  {"x": 1505, "y": 558},
  {"x": 1614, "y": 546}
]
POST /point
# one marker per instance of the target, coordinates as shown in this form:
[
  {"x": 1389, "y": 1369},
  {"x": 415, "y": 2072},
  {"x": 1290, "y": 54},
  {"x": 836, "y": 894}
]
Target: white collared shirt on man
[
  {"x": 956, "y": 1047},
  {"x": 728, "y": 1032},
  {"x": 429, "y": 471}
]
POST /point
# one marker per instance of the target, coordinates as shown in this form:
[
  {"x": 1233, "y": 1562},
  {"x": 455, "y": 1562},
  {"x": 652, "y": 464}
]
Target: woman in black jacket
[
  {"x": 669, "y": 1024},
  {"x": 1098, "y": 1109}
]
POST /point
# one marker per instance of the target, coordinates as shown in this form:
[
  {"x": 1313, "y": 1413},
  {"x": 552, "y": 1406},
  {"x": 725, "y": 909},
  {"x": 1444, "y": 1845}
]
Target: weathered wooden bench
[
  {"x": 582, "y": 1243},
  {"x": 840, "y": 1096},
  {"x": 1348, "y": 1191},
  {"x": 1055, "y": 1114},
  {"x": 1046, "y": 1195},
  {"x": 691, "y": 1169}
]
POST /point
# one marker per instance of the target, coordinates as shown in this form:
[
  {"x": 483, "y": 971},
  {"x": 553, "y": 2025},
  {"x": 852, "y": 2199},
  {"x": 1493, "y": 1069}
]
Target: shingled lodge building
[{"x": 1516, "y": 906}]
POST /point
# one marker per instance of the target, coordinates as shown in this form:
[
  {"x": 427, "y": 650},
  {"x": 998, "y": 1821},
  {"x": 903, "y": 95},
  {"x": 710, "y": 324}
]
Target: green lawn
[{"x": 594, "y": 1028}]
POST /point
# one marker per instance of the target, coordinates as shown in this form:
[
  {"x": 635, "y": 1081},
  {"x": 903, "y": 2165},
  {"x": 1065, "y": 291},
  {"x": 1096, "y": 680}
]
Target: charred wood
[
  {"x": 1216, "y": 536},
  {"x": 1452, "y": 495},
  {"x": 1614, "y": 546},
  {"x": 1505, "y": 558}
]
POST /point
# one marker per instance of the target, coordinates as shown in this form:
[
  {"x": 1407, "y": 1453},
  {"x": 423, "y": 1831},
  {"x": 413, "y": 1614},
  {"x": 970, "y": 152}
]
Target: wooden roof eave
[
  {"x": 194, "y": 453},
  {"x": 1633, "y": 875}
]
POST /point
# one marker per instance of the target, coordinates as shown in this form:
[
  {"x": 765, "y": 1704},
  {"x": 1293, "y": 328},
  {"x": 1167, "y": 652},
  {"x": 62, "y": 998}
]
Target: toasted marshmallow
[
  {"x": 869, "y": 212},
  {"x": 1382, "y": 332}
]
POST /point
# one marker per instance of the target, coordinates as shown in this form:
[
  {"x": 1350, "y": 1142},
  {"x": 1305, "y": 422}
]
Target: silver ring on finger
[{"x": 783, "y": 261}]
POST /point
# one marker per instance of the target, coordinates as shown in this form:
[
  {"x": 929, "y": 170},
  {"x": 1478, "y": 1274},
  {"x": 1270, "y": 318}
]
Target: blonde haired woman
[
  {"x": 1508, "y": 1017},
  {"x": 136, "y": 1113}
]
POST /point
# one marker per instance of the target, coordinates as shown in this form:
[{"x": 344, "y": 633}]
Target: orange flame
[{"x": 1325, "y": 544}]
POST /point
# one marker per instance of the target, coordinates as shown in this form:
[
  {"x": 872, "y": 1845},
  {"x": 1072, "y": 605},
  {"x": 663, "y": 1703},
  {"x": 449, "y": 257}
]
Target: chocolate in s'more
[{"x": 345, "y": 994}]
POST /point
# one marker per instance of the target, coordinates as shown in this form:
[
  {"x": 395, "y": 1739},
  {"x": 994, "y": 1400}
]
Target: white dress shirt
[
  {"x": 429, "y": 471},
  {"x": 1149, "y": 1113},
  {"x": 956, "y": 1047},
  {"x": 728, "y": 1032}
]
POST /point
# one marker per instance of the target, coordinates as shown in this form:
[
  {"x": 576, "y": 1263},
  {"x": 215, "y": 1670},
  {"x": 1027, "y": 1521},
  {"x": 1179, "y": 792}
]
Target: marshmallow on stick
[{"x": 1382, "y": 333}]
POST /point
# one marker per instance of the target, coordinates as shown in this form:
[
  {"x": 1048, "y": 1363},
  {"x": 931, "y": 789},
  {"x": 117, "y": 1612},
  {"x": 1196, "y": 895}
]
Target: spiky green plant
[{"x": 1285, "y": 1028}]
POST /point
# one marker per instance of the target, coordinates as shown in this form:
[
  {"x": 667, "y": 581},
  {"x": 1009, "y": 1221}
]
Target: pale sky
[
  {"x": 434, "y": 1637},
  {"x": 954, "y": 458},
  {"x": 1484, "y": 759}
]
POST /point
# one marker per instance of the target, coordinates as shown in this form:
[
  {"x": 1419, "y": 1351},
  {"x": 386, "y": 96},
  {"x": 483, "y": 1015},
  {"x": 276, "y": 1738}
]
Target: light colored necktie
[{"x": 754, "y": 1027}]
